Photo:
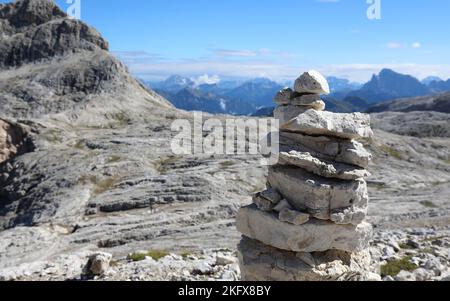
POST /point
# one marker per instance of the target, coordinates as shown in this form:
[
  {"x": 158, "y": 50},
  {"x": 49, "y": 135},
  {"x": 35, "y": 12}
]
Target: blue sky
[{"x": 276, "y": 39}]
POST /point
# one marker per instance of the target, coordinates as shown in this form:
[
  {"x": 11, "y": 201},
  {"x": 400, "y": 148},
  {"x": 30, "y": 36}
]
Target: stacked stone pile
[{"x": 309, "y": 223}]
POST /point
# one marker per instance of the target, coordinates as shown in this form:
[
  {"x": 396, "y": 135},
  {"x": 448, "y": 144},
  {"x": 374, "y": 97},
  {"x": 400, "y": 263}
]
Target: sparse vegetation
[
  {"x": 155, "y": 254},
  {"x": 114, "y": 159},
  {"x": 406, "y": 246},
  {"x": 393, "y": 268},
  {"x": 101, "y": 185},
  {"x": 429, "y": 204},
  {"x": 391, "y": 152}
]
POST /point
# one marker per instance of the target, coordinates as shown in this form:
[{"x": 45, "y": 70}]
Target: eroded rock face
[
  {"x": 36, "y": 30},
  {"x": 264, "y": 263},
  {"x": 321, "y": 197},
  {"x": 316, "y": 123},
  {"x": 313, "y": 236},
  {"x": 14, "y": 140}
]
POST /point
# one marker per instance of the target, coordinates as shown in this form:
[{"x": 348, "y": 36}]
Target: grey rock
[
  {"x": 263, "y": 203},
  {"x": 284, "y": 204},
  {"x": 343, "y": 202},
  {"x": 312, "y": 82},
  {"x": 268, "y": 229},
  {"x": 293, "y": 217},
  {"x": 99, "y": 263},
  {"x": 316, "y": 123},
  {"x": 260, "y": 262},
  {"x": 284, "y": 114},
  {"x": 272, "y": 195},
  {"x": 284, "y": 96},
  {"x": 41, "y": 31},
  {"x": 326, "y": 148},
  {"x": 405, "y": 276},
  {"x": 224, "y": 260},
  {"x": 322, "y": 168}
]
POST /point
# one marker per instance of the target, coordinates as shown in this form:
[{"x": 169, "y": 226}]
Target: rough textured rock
[
  {"x": 321, "y": 197},
  {"x": 286, "y": 113},
  {"x": 314, "y": 236},
  {"x": 322, "y": 168},
  {"x": 37, "y": 29},
  {"x": 293, "y": 217},
  {"x": 99, "y": 263},
  {"x": 265, "y": 263},
  {"x": 312, "y": 82},
  {"x": 14, "y": 140},
  {"x": 316, "y": 123},
  {"x": 284, "y": 96},
  {"x": 327, "y": 148}
]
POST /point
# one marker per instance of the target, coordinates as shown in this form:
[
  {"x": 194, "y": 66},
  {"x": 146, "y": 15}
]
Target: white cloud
[
  {"x": 206, "y": 79},
  {"x": 394, "y": 45},
  {"x": 154, "y": 67},
  {"x": 416, "y": 45}
]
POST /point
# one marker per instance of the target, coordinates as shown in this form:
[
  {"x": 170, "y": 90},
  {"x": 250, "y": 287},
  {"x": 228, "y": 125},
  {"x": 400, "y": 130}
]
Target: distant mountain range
[
  {"x": 436, "y": 103},
  {"x": 255, "y": 96}
]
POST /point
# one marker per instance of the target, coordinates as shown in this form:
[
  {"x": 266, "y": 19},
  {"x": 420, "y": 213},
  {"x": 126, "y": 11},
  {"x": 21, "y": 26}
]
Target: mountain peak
[{"x": 30, "y": 12}]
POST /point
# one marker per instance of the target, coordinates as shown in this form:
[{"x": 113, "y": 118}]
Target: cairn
[{"x": 309, "y": 223}]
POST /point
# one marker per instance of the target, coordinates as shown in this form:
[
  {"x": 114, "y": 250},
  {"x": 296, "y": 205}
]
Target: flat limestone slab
[
  {"x": 259, "y": 262},
  {"x": 314, "y": 236},
  {"x": 285, "y": 114},
  {"x": 322, "y": 168},
  {"x": 316, "y": 123},
  {"x": 327, "y": 148},
  {"x": 343, "y": 202}
]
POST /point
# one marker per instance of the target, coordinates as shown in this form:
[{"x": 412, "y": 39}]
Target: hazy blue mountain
[
  {"x": 390, "y": 85},
  {"x": 436, "y": 103},
  {"x": 341, "y": 84},
  {"x": 173, "y": 84},
  {"x": 439, "y": 86},
  {"x": 191, "y": 99},
  {"x": 428, "y": 80},
  {"x": 260, "y": 92}
]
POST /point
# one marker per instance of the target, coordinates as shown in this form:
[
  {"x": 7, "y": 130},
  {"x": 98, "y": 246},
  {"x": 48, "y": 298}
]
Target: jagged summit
[
  {"x": 24, "y": 13},
  {"x": 56, "y": 64},
  {"x": 34, "y": 30}
]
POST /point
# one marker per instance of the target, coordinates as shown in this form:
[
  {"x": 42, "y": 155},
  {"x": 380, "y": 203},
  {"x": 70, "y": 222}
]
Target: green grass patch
[
  {"x": 391, "y": 152},
  {"x": 429, "y": 204},
  {"x": 406, "y": 246},
  {"x": 155, "y": 254},
  {"x": 393, "y": 268}
]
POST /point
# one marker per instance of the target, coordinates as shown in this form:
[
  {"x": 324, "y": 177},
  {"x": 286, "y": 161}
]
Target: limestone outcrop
[{"x": 310, "y": 222}]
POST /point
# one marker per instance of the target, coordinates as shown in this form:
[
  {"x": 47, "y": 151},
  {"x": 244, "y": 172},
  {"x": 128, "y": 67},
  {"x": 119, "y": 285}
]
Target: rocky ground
[{"x": 95, "y": 173}]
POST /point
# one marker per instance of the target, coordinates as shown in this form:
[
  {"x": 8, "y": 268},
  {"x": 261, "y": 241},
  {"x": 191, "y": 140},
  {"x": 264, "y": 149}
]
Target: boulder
[
  {"x": 324, "y": 168},
  {"x": 314, "y": 236},
  {"x": 312, "y": 82},
  {"x": 318, "y": 123},
  {"x": 260, "y": 262},
  {"x": 344, "y": 202},
  {"x": 99, "y": 263}
]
